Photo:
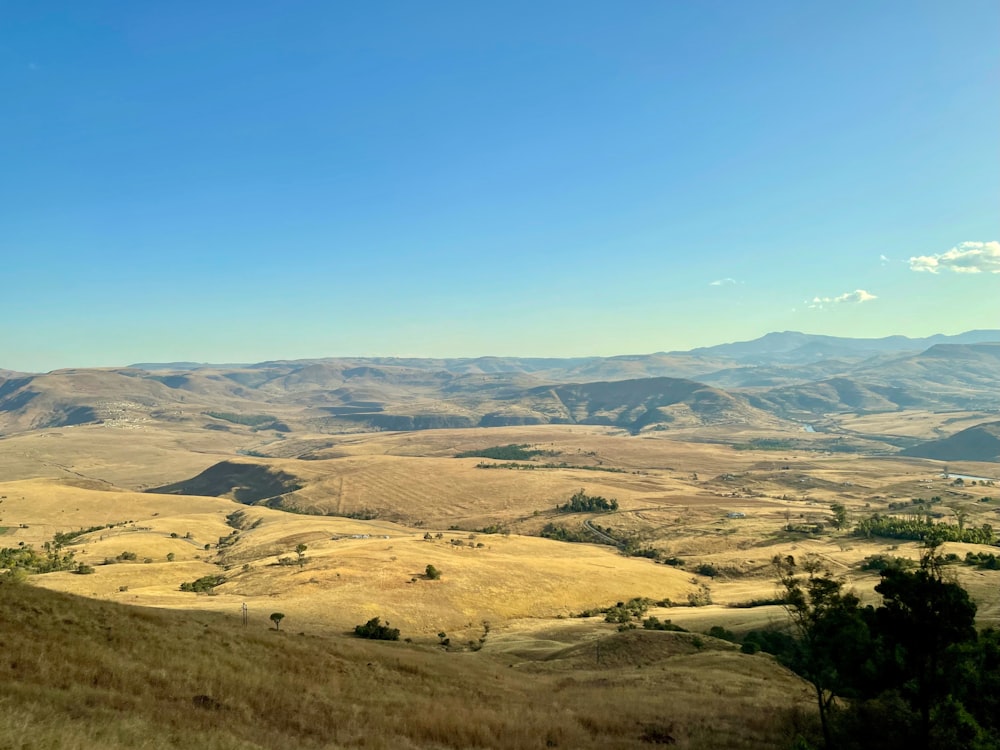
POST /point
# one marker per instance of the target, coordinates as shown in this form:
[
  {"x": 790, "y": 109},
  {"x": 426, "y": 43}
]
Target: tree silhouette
[{"x": 276, "y": 618}]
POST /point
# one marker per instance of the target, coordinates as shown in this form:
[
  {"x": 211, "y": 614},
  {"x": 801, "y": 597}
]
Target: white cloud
[
  {"x": 966, "y": 257},
  {"x": 722, "y": 282},
  {"x": 857, "y": 296},
  {"x": 884, "y": 259}
]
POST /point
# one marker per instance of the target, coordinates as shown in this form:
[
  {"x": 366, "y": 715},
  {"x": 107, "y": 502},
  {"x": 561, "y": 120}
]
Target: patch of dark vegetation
[
  {"x": 494, "y": 528},
  {"x": 658, "y": 734},
  {"x": 880, "y": 562},
  {"x": 512, "y": 452},
  {"x": 751, "y": 603},
  {"x": 203, "y": 584},
  {"x": 66, "y": 537},
  {"x": 26, "y": 559},
  {"x": 922, "y": 528},
  {"x": 581, "y": 502},
  {"x": 563, "y": 465},
  {"x": 375, "y": 630},
  {"x": 564, "y": 534},
  {"x": 655, "y": 623},
  {"x": 707, "y": 569},
  {"x": 593, "y": 533},
  {"x": 983, "y": 560},
  {"x": 911, "y": 672}
]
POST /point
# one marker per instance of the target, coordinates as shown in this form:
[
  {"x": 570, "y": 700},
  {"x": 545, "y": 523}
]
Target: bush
[
  {"x": 879, "y": 563},
  {"x": 717, "y": 631},
  {"x": 512, "y": 452},
  {"x": 654, "y": 623},
  {"x": 203, "y": 584},
  {"x": 432, "y": 573},
  {"x": 584, "y": 503},
  {"x": 375, "y": 630}
]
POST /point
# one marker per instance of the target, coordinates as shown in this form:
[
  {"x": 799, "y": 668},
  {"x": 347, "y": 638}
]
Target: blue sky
[{"x": 239, "y": 181}]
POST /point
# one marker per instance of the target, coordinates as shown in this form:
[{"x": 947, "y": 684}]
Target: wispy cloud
[
  {"x": 883, "y": 259},
  {"x": 857, "y": 296},
  {"x": 966, "y": 257},
  {"x": 722, "y": 282}
]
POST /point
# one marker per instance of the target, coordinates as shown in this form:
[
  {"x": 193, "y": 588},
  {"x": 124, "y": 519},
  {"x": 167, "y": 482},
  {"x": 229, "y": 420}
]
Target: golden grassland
[
  {"x": 83, "y": 674},
  {"x": 674, "y": 495},
  {"x": 541, "y": 677},
  {"x": 135, "y": 458}
]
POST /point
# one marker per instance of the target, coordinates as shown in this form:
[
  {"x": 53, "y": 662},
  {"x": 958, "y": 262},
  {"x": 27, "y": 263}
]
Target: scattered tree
[
  {"x": 276, "y": 618},
  {"x": 839, "y": 515}
]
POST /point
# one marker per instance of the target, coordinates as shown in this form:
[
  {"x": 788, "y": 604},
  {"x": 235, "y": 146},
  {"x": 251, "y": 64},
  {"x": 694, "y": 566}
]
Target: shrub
[
  {"x": 584, "y": 503},
  {"x": 879, "y": 563},
  {"x": 717, "y": 631},
  {"x": 205, "y": 583},
  {"x": 375, "y": 630},
  {"x": 512, "y": 452},
  {"x": 655, "y": 623},
  {"x": 432, "y": 573}
]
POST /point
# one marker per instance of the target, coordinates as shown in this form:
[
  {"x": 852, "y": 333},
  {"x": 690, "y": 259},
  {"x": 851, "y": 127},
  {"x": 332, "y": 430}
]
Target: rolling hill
[
  {"x": 779, "y": 376},
  {"x": 979, "y": 443}
]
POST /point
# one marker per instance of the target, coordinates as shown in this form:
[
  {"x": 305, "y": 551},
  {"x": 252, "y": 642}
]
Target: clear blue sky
[{"x": 238, "y": 181}]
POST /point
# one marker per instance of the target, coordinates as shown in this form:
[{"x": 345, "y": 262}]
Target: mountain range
[{"x": 780, "y": 376}]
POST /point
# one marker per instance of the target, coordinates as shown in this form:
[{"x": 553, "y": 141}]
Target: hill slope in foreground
[{"x": 79, "y": 673}]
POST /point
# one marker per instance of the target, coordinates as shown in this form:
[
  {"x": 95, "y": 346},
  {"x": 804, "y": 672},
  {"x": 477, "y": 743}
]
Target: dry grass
[
  {"x": 537, "y": 682},
  {"x": 83, "y": 674}
]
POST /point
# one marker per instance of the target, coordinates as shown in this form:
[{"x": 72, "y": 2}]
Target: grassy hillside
[
  {"x": 978, "y": 443},
  {"x": 82, "y": 674}
]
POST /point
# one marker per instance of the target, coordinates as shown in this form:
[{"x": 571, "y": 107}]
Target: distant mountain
[
  {"x": 979, "y": 443},
  {"x": 786, "y": 375},
  {"x": 173, "y": 366},
  {"x": 792, "y": 347}
]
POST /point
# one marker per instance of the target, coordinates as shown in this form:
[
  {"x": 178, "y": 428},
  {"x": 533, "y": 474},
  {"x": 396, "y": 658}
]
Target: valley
[{"x": 203, "y": 495}]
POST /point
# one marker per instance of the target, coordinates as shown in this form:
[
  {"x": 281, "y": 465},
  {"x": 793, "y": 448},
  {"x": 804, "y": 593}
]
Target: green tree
[
  {"x": 923, "y": 621},
  {"x": 276, "y": 618},
  {"x": 375, "y": 630},
  {"x": 300, "y": 550},
  {"x": 839, "y": 515},
  {"x": 432, "y": 573},
  {"x": 832, "y": 635}
]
